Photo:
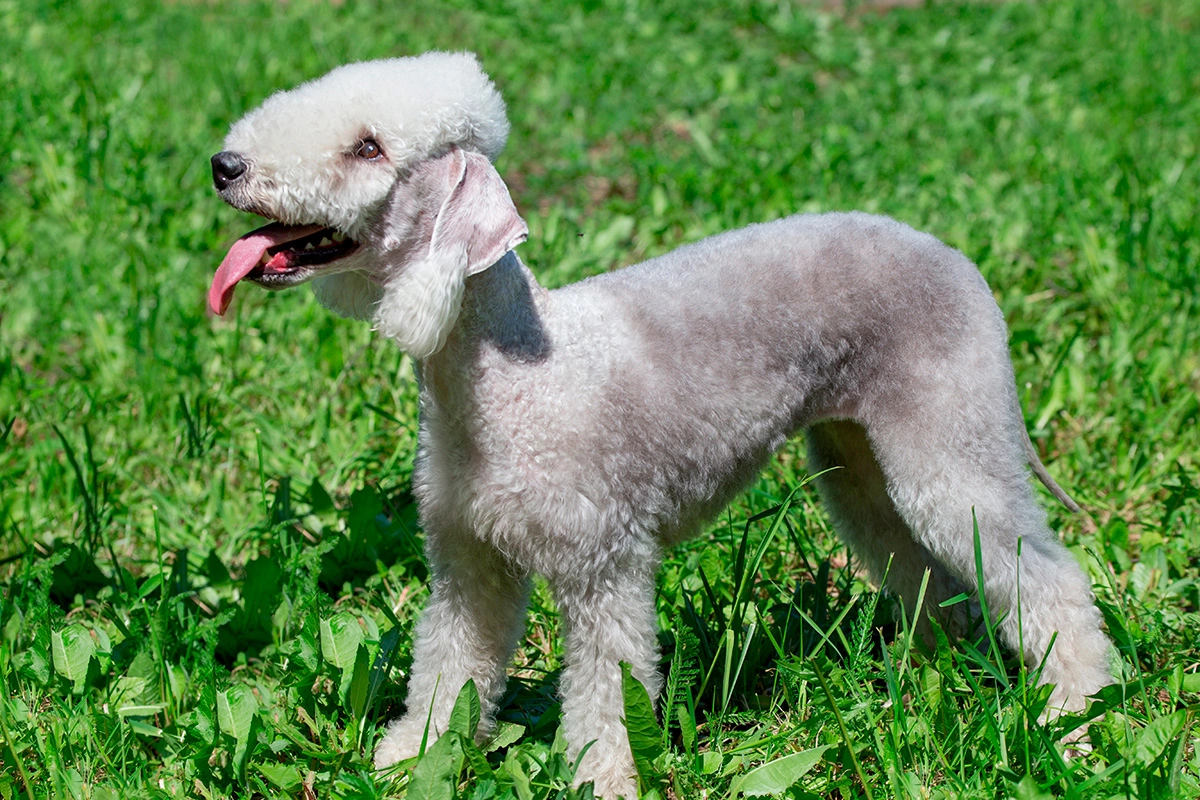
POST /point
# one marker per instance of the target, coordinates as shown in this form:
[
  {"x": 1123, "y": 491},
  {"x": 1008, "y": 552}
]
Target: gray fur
[{"x": 577, "y": 433}]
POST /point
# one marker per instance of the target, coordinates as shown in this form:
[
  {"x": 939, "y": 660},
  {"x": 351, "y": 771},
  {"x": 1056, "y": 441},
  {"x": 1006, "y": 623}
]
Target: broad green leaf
[
  {"x": 930, "y": 682},
  {"x": 522, "y": 784},
  {"x": 687, "y": 728},
  {"x": 464, "y": 718},
  {"x": 282, "y": 614},
  {"x": 359, "y": 681},
  {"x": 202, "y": 724},
  {"x": 143, "y": 666},
  {"x": 779, "y": 775},
  {"x": 141, "y": 711},
  {"x": 477, "y": 760},
  {"x": 285, "y": 776},
  {"x": 436, "y": 773},
  {"x": 340, "y": 636},
  {"x": 261, "y": 587},
  {"x": 365, "y": 509},
  {"x": 305, "y": 649},
  {"x": 150, "y": 585},
  {"x": 506, "y": 733},
  {"x": 318, "y": 498},
  {"x": 101, "y": 641},
  {"x": 177, "y": 679},
  {"x": 645, "y": 736},
  {"x": 241, "y": 752},
  {"x": 73, "y": 649},
  {"x": 126, "y": 691},
  {"x": 216, "y": 572},
  {"x": 144, "y": 728},
  {"x": 34, "y": 664},
  {"x": 1028, "y": 789},
  {"x": 1155, "y": 737},
  {"x": 235, "y": 711},
  {"x": 19, "y": 711}
]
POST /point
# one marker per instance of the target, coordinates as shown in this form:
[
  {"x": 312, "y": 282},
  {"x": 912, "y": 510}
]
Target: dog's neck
[
  {"x": 501, "y": 318},
  {"x": 502, "y": 308}
]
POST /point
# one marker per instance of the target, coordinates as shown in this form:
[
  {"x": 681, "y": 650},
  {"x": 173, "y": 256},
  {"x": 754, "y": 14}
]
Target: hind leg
[
  {"x": 855, "y": 495},
  {"x": 945, "y": 464}
]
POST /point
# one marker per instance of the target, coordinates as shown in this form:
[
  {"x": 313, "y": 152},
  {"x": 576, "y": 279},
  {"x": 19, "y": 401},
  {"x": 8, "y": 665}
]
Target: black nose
[{"x": 227, "y": 167}]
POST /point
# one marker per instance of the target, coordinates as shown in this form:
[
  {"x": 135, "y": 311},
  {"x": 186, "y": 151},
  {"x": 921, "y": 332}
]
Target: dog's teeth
[
  {"x": 266, "y": 259},
  {"x": 325, "y": 241},
  {"x": 309, "y": 246},
  {"x": 339, "y": 237}
]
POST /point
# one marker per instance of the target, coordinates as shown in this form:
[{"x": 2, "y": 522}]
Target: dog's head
[{"x": 378, "y": 180}]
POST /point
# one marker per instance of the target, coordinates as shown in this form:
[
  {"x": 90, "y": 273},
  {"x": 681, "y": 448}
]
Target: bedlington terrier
[{"x": 577, "y": 433}]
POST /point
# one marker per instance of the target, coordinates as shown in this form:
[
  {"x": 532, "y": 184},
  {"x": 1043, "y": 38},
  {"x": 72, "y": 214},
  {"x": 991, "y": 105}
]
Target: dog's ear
[
  {"x": 478, "y": 216},
  {"x": 476, "y": 225}
]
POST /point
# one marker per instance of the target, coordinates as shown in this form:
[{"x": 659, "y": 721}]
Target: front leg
[
  {"x": 608, "y": 619},
  {"x": 471, "y": 625}
]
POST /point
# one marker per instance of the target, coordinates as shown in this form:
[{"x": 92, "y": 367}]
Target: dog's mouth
[{"x": 277, "y": 256}]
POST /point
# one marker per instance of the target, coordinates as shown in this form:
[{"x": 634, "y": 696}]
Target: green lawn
[{"x": 209, "y": 557}]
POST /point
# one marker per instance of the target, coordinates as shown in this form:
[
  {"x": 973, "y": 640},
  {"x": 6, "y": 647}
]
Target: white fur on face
[
  {"x": 425, "y": 211},
  {"x": 300, "y": 144}
]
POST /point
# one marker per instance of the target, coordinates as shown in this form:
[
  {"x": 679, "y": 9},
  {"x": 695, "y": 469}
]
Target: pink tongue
[{"x": 245, "y": 255}]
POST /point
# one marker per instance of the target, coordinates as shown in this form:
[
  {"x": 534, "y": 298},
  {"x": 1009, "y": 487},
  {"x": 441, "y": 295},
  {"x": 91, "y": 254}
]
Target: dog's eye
[{"x": 369, "y": 149}]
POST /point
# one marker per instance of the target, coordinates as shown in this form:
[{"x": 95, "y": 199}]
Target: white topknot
[{"x": 422, "y": 105}]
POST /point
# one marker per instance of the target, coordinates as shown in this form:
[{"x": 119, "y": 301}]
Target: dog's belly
[{"x": 547, "y": 513}]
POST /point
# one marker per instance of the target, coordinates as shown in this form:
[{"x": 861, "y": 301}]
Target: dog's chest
[{"x": 516, "y": 474}]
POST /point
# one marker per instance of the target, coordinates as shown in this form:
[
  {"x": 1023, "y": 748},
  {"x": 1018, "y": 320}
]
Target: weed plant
[{"x": 209, "y": 554}]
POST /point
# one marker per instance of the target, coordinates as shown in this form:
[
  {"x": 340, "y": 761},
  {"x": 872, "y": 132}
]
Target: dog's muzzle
[{"x": 227, "y": 167}]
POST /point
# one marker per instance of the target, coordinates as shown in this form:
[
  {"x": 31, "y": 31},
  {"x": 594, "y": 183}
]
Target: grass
[{"x": 209, "y": 558}]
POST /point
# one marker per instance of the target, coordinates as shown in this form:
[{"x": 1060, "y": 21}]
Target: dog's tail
[{"x": 1035, "y": 464}]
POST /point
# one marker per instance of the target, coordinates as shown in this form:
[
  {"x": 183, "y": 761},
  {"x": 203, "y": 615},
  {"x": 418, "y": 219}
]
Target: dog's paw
[
  {"x": 612, "y": 788},
  {"x": 1076, "y": 744},
  {"x": 398, "y": 744},
  {"x": 609, "y": 767}
]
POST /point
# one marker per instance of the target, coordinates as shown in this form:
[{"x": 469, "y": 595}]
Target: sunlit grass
[{"x": 209, "y": 553}]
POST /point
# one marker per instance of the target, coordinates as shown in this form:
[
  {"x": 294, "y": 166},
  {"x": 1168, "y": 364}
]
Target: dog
[{"x": 578, "y": 433}]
